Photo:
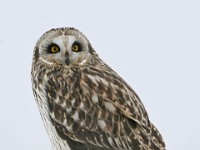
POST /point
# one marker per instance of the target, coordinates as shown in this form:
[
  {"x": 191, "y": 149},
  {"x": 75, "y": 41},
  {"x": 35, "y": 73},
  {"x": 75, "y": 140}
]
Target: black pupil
[
  {"x": 76, "y": 44},
  {"x": 53, "y": 48}
]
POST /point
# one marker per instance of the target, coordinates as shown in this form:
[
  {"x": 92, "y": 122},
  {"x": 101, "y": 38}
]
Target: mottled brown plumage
[{"x": 84, "y": 104}]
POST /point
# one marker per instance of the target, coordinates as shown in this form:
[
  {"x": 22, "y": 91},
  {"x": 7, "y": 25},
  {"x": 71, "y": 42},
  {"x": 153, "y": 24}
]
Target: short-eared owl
[{"x": 84, "y": 104}]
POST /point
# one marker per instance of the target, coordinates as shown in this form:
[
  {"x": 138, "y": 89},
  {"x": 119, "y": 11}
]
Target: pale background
[{"x": 153, "y": 44}]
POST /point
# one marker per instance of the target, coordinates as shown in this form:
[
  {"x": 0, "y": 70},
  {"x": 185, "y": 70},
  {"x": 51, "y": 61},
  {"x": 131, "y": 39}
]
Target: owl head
[{"x": 64, "y": 46}]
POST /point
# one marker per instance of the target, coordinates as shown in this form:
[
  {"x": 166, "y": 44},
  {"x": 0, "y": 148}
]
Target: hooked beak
[{"x": 67, "y": 58}]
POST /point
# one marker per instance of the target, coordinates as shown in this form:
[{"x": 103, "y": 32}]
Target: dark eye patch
[
  {"x": 53, "y": 48},
  {"x": 76, "y": 47}
]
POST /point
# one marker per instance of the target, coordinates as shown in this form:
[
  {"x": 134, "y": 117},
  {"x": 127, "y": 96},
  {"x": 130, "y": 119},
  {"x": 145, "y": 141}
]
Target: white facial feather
[{"x": 65, "y": 43}]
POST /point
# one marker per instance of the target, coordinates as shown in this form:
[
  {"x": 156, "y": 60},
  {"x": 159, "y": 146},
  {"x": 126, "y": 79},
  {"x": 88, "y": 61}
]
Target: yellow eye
[
  {"x": 53, "y": 48},
  {"x": 76, "y": 47}
]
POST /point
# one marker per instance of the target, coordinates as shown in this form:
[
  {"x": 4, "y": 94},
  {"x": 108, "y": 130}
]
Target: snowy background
[{"x": 153, "y": 44}]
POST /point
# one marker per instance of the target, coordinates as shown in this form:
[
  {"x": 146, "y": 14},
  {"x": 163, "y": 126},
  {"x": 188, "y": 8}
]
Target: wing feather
[{"x": 112, "y": 88}]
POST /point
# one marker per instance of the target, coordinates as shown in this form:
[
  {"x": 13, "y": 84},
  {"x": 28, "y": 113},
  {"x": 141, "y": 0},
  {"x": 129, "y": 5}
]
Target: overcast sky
[{"x": 153, "y": 44}]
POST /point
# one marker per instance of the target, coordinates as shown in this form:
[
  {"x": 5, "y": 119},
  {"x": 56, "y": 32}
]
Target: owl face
[{"x": 64, "y": 46}]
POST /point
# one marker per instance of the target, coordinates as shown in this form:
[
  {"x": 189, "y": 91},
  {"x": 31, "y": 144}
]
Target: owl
[{"x": 84, "y": 104}]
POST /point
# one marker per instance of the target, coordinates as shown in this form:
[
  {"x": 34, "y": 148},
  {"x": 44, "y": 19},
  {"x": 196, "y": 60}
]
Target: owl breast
[
  {"x": 40, "y": 79},
  {"x": 71, "y": 111}
]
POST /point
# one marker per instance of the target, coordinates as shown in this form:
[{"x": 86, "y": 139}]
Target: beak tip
[{"x": 67, "y": 61}]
